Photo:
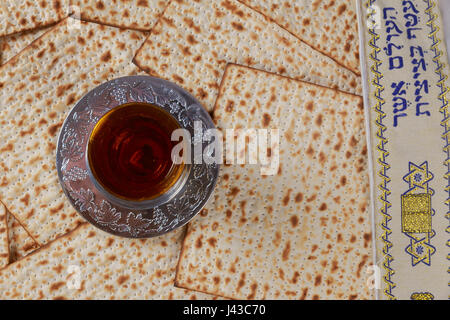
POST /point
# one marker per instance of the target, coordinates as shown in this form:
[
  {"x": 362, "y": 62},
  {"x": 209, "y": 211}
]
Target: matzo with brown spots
[
  {"x": 90, "y": 264},
  {"x": 193, "y": 41},
  {"x": 13, "y": 44},
  {"x": 20, "y": 242},
  {"x": 329, "y": 26},
  {"x": 302, "y": 233},
  {"x": 130, "y": 14},
  {"x": 38, "y": 87},
  {"x": 18, "y": 15}
]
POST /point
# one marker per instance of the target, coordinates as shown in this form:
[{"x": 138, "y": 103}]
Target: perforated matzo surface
[
  {"x": 38, "y": 87},
  {"x": 303, "y": 232},
  {"x": 90, "y": 264},
  {"x": 329, "y": 26},
  {"x": 20, "y": 242},
  {"x": 13, "y": 44},
  {"x": 19, "y": 15},
  {"x": 133, "y": 14},
  {"x": 194, "y": 40}
]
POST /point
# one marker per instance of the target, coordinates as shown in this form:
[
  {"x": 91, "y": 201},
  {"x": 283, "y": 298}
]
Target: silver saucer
[{"x": 168, "y": 212}]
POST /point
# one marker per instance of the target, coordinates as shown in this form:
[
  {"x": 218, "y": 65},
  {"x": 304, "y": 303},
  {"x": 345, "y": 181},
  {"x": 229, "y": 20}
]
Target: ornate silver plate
[{"x": 80, "y": 186}]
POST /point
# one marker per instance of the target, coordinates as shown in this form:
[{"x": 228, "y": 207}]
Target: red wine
[{"x": 129, "y": 151}]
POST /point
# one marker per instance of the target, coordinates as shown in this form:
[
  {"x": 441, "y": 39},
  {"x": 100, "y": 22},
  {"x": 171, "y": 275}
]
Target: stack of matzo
[
  {"x": 194, "y": 40},
  {"x": 19, "y": 15},
  {"x": 20, "y": 242},
  {"x": 90, "y": 264},
  {"x": 190, "y": 44},
  {"x": 326, "y": 25},
  {"x": 38, "y": 88},
  {"x": 79, "y": 64},
  {"x": 11, "y": 45}
]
